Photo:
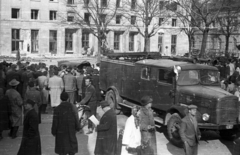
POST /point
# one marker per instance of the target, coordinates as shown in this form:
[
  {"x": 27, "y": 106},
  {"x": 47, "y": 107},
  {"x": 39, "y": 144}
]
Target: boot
[{"x": 14, "y": 133}]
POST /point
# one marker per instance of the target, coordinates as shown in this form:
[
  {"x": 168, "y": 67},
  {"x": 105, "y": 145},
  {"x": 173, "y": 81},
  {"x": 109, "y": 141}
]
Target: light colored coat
[
  {"x": 56, "y": 87},
  {"x": 131, "y": 136}
]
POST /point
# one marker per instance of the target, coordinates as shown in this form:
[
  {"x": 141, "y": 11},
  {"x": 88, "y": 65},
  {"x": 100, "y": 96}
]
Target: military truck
[{"x": 173, "y": 85}]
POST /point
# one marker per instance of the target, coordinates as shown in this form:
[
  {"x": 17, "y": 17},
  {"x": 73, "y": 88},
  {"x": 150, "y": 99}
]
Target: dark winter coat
[
  {"x": 5, "y": 111},
  {"x": 90, "y": 96},
  {"x": 95, "y": 83},
  {"x": 31, "y": 143},
  {"x": 64, "y": 127},
  {"x": 106, "y": 143}
]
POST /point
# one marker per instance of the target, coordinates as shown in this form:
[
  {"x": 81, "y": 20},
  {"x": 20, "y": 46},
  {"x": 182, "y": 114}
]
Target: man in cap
[
  {"x": 31, "y": 143},
  {"x": 70, "y": 85},
  {"x": 16, "y": 103},
  {"x": 106, "y": 143},
  {"x": 189, "y": 131},
  {"x": 64, "y": 126}
]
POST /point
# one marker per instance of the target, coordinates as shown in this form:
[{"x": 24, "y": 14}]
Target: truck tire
[
  {"x": 228, "y": 134},
  {"x": 173, "y": 127},
  {"x": 111, "y": 98}
]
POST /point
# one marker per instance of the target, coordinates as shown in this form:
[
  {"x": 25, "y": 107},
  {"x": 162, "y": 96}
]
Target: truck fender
[
  {"x": 176, "y": 109},
  {"x": 118, "y": 97}
]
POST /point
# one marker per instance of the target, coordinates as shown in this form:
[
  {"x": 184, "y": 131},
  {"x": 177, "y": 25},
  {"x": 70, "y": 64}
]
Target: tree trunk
[
  {"x": 189, "y": 45},
  {"x": 99, "y": 50},
  {"x": 227, "y": 45},
  {"x": 146, "y": 40},
  {"x": 204, "y": 42}
]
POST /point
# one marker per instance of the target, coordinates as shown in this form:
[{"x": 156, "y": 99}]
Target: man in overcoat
[
  {"x": 64, "y": 127},
  {"x": 90, "y": 99},
  {"x": 16, "y": 103},
  {"x": 189, "y": 131},
  {"x": 106, "y": 143},
  {"x": 31, "y": 143},
  {"x": 4, "y": 112}
]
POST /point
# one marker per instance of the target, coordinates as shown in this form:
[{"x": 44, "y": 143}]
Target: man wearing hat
[
  {"x": 64, "y": 127},
  {"x": 189, "y": 131},
  {"x": 147, "y": 126},
  {"x": 16, "y": 103},
  {"x": 70, "y": 85},
  {"x": 106, "y": 143},
  {"x": 31, "y": 143}
]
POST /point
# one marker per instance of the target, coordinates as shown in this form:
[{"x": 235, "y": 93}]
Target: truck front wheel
[
  {"x": 111, "y": 98},
  {"x": 173, "y": 127},
  {"x": 228, "y": 134}
]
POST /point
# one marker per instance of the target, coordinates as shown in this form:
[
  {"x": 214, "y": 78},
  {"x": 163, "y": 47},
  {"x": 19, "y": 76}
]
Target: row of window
[{"x": 34, "y": 14}]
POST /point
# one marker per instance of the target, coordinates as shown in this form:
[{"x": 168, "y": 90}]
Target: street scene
[{"x": 119, "y": 77}]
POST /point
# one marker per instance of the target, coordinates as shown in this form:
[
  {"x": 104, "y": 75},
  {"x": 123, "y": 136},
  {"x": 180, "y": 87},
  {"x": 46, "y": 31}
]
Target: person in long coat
[
  {"x": 16, "y": 103},
  {"x": 4, "y": 112},
  {"x": 189, "y": 131},
  {"x": 56, "y": 87},
  {"x": 147, "y": 127},
  {"x": 31, "y": 143},
  {"x": 64, "y": 127},
  {"x": 106, "y": 143}
]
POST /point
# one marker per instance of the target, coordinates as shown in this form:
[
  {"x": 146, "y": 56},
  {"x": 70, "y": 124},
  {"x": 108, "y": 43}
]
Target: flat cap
[
  {"x": 145, "y": 100},
  {"x": 192, "y": 107},
  {"x": 104, "y": 104}
]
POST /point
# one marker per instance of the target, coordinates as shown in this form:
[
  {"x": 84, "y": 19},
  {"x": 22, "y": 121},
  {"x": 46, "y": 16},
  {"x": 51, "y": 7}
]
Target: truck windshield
[{"x": 193, "y": 77}]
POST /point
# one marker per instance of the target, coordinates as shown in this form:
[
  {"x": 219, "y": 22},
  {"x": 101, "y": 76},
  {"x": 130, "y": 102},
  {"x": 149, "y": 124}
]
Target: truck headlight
[{"x": 205, "y": 117}]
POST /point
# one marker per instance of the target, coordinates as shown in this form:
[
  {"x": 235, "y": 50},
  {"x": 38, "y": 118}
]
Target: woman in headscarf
[
  {"x": 147, "y": 127},
  {"x": 132, "y": 137}
]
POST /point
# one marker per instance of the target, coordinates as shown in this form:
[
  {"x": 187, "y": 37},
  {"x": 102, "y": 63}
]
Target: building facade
[{"x": 35, "y": 27}]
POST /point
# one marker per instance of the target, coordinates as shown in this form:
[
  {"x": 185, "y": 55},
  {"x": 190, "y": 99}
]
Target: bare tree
[
  {"x": 228, "y": 20},
  {"x": 202, "y": 13},
  {"x": 95, "y": 16},
  {"x": 147, "y": 16}
]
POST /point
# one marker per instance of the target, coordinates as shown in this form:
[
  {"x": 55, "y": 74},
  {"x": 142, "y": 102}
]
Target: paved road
[{"x": 86, "y": 143}]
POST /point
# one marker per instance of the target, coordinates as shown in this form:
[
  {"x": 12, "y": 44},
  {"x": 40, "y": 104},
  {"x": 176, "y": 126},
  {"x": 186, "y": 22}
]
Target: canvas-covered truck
[{"x": 173, "y": 85}]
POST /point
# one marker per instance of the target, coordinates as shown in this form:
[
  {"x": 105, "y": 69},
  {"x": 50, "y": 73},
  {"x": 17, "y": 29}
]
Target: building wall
[{"x": 44, "y": 25}]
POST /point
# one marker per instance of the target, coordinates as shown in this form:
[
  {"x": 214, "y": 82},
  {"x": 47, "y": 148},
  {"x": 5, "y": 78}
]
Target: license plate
[{"x": 229, "y": 126}]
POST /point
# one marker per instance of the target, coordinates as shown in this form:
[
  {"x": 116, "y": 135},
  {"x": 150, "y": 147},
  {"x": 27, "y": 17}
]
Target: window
[
  {"x": 160, "y": 22},
  {"x": 70, "y": 16},
  {"x": 53, "y": 41},
  {"x": 87, "y": 17},
  {"x": 15, "y": 40},
  {"x": 104, "y": 3},
  {"x": 133, "y": 4},
  {"x": 53, "y": 0},
  {"x": 161, "y": 5},
  {"x": 85, "y": 39},
  {"x": 34, "y": 41},
  {"x": 172, "y": 6},
  {"x": 160, "y": 43},
  {"x": 118, "y": 19},
  {"x": 133, "y": 20},
  {"x": 145, "y": 73},
  {"x": 173, "y": 44},
  {"x": 70, "y": 1},
  {"x": 165, "y": 76},
  {"x": 117, "y": 41},
  {"x": 118, "y": 3},
  {"x": 15, "y": 13},
  {"x": 131, "y": 42},
  {"x": 174, "y": 22},
  {"x": 86, "y": 3},
  {"x": 68, "y": 40},
  {"x": 103, "y": 18},
  {"x": 53, "y": 15},
  {"x": 34, "y": 14}
]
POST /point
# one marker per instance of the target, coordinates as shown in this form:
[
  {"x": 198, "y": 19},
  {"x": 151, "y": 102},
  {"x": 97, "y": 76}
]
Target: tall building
[{"x": 35, "y": 27}]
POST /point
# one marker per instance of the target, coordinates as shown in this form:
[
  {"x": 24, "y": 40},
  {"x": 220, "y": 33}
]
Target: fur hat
[{"x": 146, "y": 100}]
